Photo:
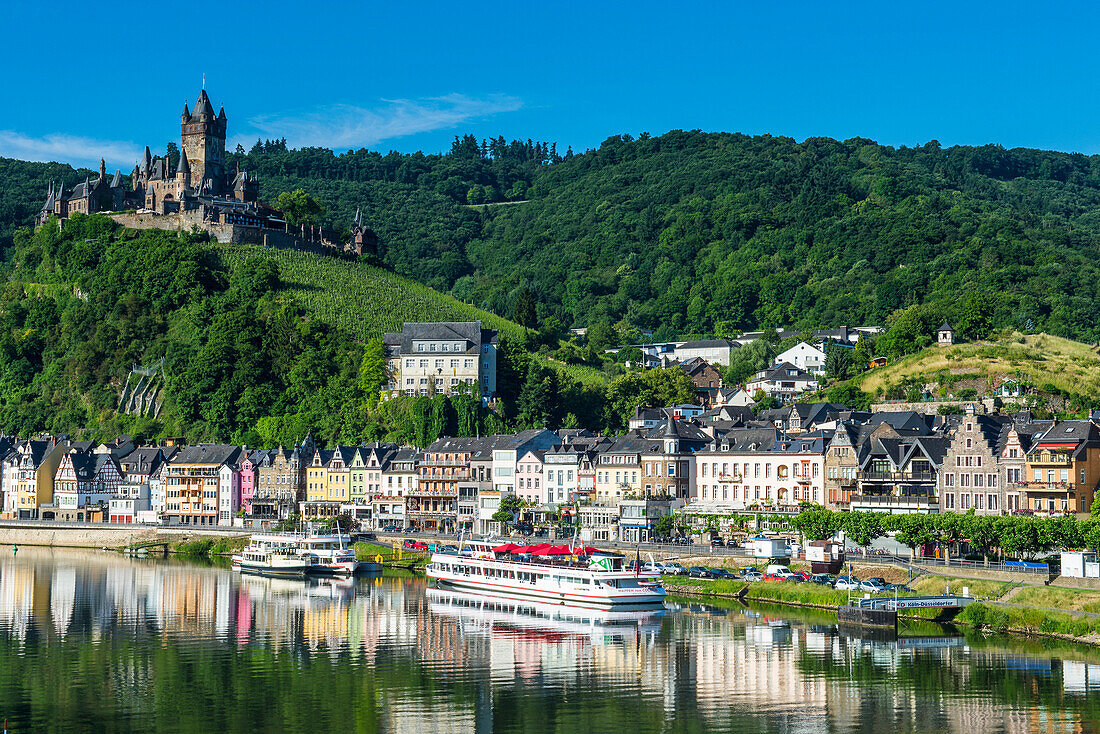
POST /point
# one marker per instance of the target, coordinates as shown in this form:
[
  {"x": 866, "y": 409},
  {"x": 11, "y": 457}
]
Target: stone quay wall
[{"x": 102, "y": 535}]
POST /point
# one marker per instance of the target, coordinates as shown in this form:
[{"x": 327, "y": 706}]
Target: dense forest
[
  {"x": 247, "y": 351},
  {"x": 698, "y": 233}
]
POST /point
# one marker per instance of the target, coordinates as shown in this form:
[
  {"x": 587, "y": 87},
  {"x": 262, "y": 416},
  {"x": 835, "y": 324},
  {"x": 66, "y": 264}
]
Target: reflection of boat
[
  {"x": 507, "y": 615},
  {"x": 594, "y": 579}
]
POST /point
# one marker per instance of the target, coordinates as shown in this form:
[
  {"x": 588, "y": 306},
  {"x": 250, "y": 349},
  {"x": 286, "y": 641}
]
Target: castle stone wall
[{"x": 226, "y": 234}]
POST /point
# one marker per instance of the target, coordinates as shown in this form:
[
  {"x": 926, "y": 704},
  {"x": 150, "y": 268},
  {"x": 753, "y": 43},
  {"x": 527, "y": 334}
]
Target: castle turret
[
  {"x": 183, "y": 171},
  {"x": 102, "y": 169},
  {"x": 185, "y": 116}
]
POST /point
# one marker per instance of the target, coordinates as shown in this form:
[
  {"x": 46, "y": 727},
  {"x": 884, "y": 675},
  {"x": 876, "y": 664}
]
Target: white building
[
  {"x": 229, "y": 492},
  {"x": 440, "y": 356},
  {"x": 805, "y": 357},
  {"x": 758, "y": 468},
  {"x": 784, "y": 381}
]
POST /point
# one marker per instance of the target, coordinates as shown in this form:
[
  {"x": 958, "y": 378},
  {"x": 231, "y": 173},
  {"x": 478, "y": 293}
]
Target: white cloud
[
  {"x": 68, "y": 149},
  {"x": 346, "y": 126}
]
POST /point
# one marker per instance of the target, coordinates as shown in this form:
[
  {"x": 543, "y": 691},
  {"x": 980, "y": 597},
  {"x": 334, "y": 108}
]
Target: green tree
[
  {"x": 863, "y": 528},
  {"x": 508, "y": 510},
  {"x": 523, "y": 312},
  {"x": 300, "y": 207},
  {"x": 817, "y": 523},
  {"x": 374, "y": 370}
]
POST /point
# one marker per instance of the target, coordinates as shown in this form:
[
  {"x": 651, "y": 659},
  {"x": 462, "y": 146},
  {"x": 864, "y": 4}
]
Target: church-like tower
[{"x": 203, "y": 137}]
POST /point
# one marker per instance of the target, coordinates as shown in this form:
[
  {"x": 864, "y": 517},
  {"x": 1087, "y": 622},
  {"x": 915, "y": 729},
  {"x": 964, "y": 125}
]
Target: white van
[{"x": 780, "y": 571}]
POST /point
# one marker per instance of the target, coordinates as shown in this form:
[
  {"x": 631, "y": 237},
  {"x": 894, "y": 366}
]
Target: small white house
[
  {"x": 770, "y": 547},
  {"x": 1080, "y": 565},
  {"x": 804, "y": 356}
]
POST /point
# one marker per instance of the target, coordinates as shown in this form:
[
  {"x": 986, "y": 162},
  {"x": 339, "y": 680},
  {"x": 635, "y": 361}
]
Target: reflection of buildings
[{"x": 450, "y": 661}]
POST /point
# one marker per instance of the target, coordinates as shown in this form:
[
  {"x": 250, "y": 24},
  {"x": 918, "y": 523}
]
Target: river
[{"x": 93, "y": 641}]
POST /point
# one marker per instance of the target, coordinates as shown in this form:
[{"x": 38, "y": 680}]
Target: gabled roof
[
  {"x": 469, "y": 331},
  {"x": 781, "y": 372},
  {"x": 945, "y": 327}
]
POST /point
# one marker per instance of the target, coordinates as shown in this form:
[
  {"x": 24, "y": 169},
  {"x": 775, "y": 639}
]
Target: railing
[
  {"x": 886, "y": 500},
  {"x": 1045, "y": 486},
  {"x": 887, "y": 476},
  {"x": 1023, "y": 567}
]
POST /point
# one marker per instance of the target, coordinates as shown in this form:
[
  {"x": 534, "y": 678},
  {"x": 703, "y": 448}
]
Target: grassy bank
[
  {"x": 985, "y": 588},
  {"x": 781, "y": 592},
  {"x": 1005, "y": 618},
  {"x": 201, "y": 547}
]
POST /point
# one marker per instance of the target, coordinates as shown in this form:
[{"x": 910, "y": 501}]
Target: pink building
[
  {"x": 529, "y": 477},
  {"x": 249, "y": 480}
]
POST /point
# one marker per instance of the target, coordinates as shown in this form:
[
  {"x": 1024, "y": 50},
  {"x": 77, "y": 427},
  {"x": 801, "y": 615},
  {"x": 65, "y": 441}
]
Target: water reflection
[{"x": 93, "y": 640}]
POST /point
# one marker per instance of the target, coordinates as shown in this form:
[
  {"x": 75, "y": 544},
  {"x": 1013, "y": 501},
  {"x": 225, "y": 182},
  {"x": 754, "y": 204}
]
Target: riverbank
[
  {"x": 1040, "y": 617},
  {"x": 104, "y": 535}
]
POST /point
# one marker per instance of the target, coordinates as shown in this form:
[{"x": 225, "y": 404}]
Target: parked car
[
  {"x": 674, "y": 569},
  {"x": 847, "y": 583},
  {"x": 825, "y": 579},
  {"x": 652, "y": 567},
  {"x": 449, "y": 549},
  {"x": 778, "y": 570},
  {"x": 800, "y": 576},
  {"x": 698, "y": 572},
  {"x": 881, "y": 581},
  {"x": 409, "y": 529},
  {"x": 752, "y": 576},
  {"x": 897, "y": 587},
  {"x": 720, "y": 573},
  {"x": 871, "y": 586},
  {"x": 717, "y": 543},
  {"x": 391, "y": 529}
]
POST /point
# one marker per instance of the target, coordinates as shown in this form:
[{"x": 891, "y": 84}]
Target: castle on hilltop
[{"x": 198, "y": 192}]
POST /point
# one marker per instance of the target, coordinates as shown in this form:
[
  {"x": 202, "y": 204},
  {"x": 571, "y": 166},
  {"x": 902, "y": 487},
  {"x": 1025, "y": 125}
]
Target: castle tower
[{"x": 203, "y": 137}]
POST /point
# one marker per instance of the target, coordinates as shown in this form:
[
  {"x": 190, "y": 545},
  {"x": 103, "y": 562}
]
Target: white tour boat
[
  {"x": 334, "y": 556},
  {"x": 273, "y": 556},
  {"x": 326, "y": 555},
  {"x": 556, "y": 574}
]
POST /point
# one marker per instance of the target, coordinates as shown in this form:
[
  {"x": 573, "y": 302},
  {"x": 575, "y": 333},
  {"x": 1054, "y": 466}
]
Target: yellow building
[
  {"x": 36, "y": 465},
  {"x": 320, "y": 487}
]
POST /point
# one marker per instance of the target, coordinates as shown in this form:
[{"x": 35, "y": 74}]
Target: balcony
[
  {"x": 897, "y": 476},
  {"x": 886, "y": 502},
  {"x": 1058, "y": 487}
]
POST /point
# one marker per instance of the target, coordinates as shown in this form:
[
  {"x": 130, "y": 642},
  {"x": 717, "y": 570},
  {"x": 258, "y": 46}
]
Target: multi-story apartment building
[
  {"x": 619, "y": 467},
  {"x": 668, "y": 462},
  {"x": 529, "y": 478},
  {"x": 318, "y": 505},
  {"x": 133, "y": 501},
  {"x": 509, "y": 448},
  {"x": 433, "y": 504},
  {"x": 84, "y": 480},
  {"x": 1016, "y": 440},
  {"x": 841, "y": 466},
  {"x": 900, "y": 475},
  {"x": 367, "y": 465},
  {"x": 280, "y": 476},
  {"x": 195, "y": 477},
  {"x": 438, "y": 357},
  {"x": 970, "y": 478},
  {"x": 37, "y": 461},
  {"x": 399, "y": 477},
  {"x": 1062, "y": 470},
  {"x": 760, "y": 468}
]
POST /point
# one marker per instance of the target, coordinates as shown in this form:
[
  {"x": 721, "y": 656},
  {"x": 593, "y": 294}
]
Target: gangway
[{"x": 893, "y": 604}]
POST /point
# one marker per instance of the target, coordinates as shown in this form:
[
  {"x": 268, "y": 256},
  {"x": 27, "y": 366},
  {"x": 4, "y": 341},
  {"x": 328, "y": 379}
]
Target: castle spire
[
  {"x": 183, "y": 171},
  {"x": 186, "y": 114}
]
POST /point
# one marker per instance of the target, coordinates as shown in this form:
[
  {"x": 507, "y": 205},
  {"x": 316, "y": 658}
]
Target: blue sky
[{"x": 81, "y": 82}]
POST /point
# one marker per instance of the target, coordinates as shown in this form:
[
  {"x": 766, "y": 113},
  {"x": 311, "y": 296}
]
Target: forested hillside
[
  {"x": 257, "y": 346},
  {"x": 697, "y": 233}
]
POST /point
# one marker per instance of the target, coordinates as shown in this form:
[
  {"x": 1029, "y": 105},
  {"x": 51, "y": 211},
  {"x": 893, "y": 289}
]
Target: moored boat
[
  {"x": 267, "y": 560},
  {"x": 557, "y": 574}
]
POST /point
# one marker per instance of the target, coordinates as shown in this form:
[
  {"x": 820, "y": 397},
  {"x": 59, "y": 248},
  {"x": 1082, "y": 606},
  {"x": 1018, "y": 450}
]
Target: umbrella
[
  {"x": 585, "y": 550},
  {"x": 507, "y": 548},
  {"x": 538, "y": 550},
  {"x": 557, "y": 550}
]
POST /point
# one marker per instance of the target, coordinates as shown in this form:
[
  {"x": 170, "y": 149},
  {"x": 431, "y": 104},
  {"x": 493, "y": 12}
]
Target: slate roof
[
  {"x": 468, "y": 331},
  {"x": 780, "y": 372},
  {"x": 216, "y": 454}
]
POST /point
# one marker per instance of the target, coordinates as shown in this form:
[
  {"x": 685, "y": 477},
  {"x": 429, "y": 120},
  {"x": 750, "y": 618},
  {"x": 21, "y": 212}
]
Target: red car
[
  {"x": 801, "y": 576},
  {"x": 773, "y": 577}
]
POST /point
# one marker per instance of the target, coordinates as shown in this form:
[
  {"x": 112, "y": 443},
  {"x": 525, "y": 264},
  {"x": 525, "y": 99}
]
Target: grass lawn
[
  {"x": 930, "y": 584},
  {"x": 1055, "y": 597}
]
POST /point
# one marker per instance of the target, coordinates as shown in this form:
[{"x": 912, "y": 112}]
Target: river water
[{"x": 94, "y": 641}]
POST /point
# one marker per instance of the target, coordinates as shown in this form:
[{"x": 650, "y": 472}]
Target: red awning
[
  {"x": 538, "y": 550},
  {"x": 508, "y": 548},
  {"x": 557, "y": 550}
]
